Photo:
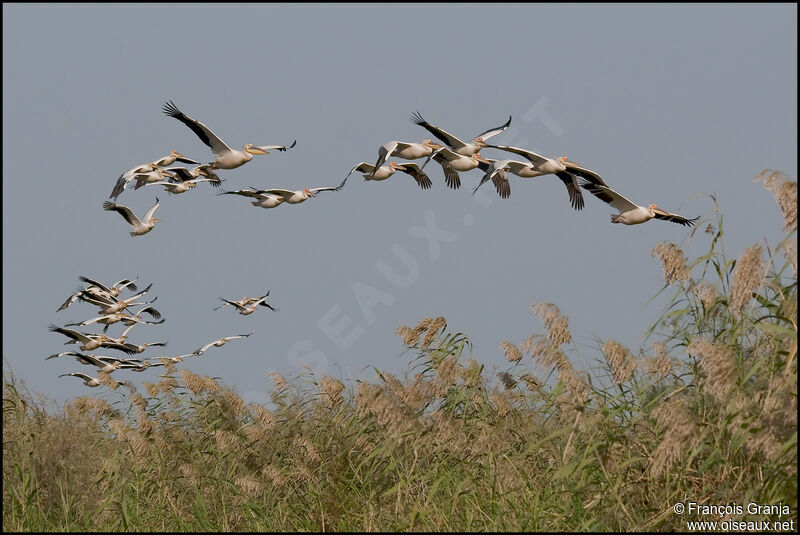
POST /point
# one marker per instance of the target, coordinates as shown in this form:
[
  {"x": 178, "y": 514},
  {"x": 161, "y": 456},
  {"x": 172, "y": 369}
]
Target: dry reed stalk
[
  {"x": 719, "y": 365},
  {"x": 193, "y": 382},
  {"x": 249, "y": 485},
  {"x": 279, "y": 381},
  {"x": 673, "y": 262},
  {"x": 680, "y": 433},
  {"x": 747, "y": 278},
  {"x": 556, "y": 324},
  {"x": 106, "y": 380},
  {"x": 513, "y": 354},
  {"x": 620, "y": 361}
]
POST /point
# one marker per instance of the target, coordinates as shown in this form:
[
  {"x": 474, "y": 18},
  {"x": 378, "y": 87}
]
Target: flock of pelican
[
  {"x": 452, "y": 154},
  {"x": 112, "y": 308}
]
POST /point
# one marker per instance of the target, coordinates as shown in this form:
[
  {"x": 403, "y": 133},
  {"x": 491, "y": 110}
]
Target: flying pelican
[
  {"x": 458, "y": 146},
  {"x": 298, "y": 196},
  {"x": 113, "y": 305},
  {"x": 206, "y": 171},
  {"x": 89, "y": 341},
  {"x": 133, "y": 348},
  {"x": 630, "y": 213},
  {"x": 384, "y": 172},
  {"x": 227, "y": 158},
  {"x": 219, "y": 343},
  {"x": 104, "y": 364},
  {"x": 404, "y": 150},
  {"x": 262, "y": 200},
  {"x": 139, "y": 227},
  {"x": 496, "y": 172},
  {"x": 251, "y": 306},
  {"x": 126, "y": 177},
  {"x": 110, "y": 319},
  {"x": 97, "y": 289},
  {"x": 453, "y": 162},
  {"x": 89, "y": 381},
  {"x": 244, "y": 301},
  {"x": 157, "y": 175},
  {"x": 171, "y": 158}
]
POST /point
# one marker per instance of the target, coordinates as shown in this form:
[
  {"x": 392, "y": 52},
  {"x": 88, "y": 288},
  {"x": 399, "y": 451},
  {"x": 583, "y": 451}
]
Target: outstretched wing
[
  {"x": 574, "y": 192},
  {"x": 414, "y": 170},
  {"x": 451, "y": 140},
  {"x": 275, "y": 147},
  {"x": 483, "y": 136},
  {"x": 203, "y": 132},
  {"x": 124, "y": 211},
  {"x": 675, "y": 218}
]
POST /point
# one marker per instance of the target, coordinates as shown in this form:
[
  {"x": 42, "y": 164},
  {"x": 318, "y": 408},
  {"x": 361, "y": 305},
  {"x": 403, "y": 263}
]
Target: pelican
[
  {"x": 171, "y": 158},
  {"x": 630, "y": 213},
  {"x": 110, "y": 319},
  {"x": 404, "y": 150},
  {"x": 496, "y": 172},
  {"x": 156, "y": 175},
  {"x": 97, "y": 289},
  {"x": 89, "y": 341},
  {"x": 227, "y": 158},
  {"x": 244, "y": 301},
  {"x": 139, "y": 227},
  {"x": 262, "y": 200},
  {"x": 251, "y": 307},
  {"x": 453, "y": 162},
  {"x": 175, "y": 188},
  {"x": 125, "y": 178},
  {"x": 104, "y": 364},
  {"x": 113, "y": 305},
  {"x": 219, "y": 343},
  {"x": 89, "y": 381},
  {"x": 183, "y": 174},
  {"x": 384, "y": 172},
  {"x": 133, "y": 348},
  {"x": 458, "y": 146},
  {"x": 298, "y": 196}
]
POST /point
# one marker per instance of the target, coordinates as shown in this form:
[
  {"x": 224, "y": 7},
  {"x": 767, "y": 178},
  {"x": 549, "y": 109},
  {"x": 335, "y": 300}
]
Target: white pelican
[
  {"x": 251, "y": 307},
  {"x": 125, "y": 178},
  {"x": 219, "y": 343},
  {"x": 458, "y": 146},
  {"x": 244, "y": 301},
  {"x": 104, "y": 364},
  {"x": 90, "y": 341},
  {"x": 496, "y": 172},
  {"x": 115, "y": 304},
  {"x": 385, "y": 171},
  {"x": 139, "y": 227},
  {"x": 227, "y": 158},
  {"x": 298, "y": 196},
  {"x": 89, "y": 381},
  {"x": 262, "y": 200},
  {"x": 630, "y": 213},
  {"x": 151, "y": 177},
  {"x": 99, "y": 290},
  {"x": 405, "y": 150},
  {"x": 452, "y": 163},
  {"x": 183, "y": 174},
  {"x": 175, "y": 188},
  {"x": 133, "y": 348},
  {"x": 110, "y": 319},
  {"x": 171, "y": 158}
]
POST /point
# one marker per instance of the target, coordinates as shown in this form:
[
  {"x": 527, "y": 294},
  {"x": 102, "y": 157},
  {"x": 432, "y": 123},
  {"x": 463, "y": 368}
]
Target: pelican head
[
  {"x": 396, "y": 166},
  {"x": 480, "y": 142},
  {"x": 176, "y": 154},
  {"x": 309, "y": 193},
  {"x": 431, "y": 144}
]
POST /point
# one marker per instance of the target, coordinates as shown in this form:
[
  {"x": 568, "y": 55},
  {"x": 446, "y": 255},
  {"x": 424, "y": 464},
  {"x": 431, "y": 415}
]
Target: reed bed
[{"x": 707, "y": 412}]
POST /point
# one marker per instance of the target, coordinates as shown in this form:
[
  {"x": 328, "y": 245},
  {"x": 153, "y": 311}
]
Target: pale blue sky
[{"x": 668, "y": 103}]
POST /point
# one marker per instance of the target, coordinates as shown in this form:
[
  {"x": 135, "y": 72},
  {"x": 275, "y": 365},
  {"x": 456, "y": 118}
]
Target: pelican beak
[
  {"x": 255, "y": 150},
  {"x": 399, "y": 167},
  {"x": 154, "y": 220}
]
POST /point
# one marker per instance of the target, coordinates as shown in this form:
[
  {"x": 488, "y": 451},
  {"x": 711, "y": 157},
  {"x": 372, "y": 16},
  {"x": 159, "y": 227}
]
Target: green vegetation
[{"x": 708, "y": 413}]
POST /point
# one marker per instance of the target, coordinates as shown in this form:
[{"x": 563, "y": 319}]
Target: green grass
[{"x": 708, "y": 413}]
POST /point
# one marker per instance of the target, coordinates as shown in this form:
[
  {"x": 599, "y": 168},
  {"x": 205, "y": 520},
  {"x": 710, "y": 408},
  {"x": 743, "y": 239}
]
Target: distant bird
[
  {"x": 496, "y": 172},
  {"x": 157, "y": 175},
  {"x": 110, "y": 319},
  {"x": 404, "y": 150},
  {"x": 262, "y": 200},
  {"x": 88, "y": 381},
  {"x": 227, "y": 158},
  {"x": 104, "y": 364},
  {"x": 126, "y": 177},
  {"x": 172, "y": 157},
  {"x": 452, "y": 163},
  {"x": 458, "y": 146},
  {"x": 219, "y": 343},
  {"x": 251, "y": 306},
  {"x": 298, "y": 196},
  {"x": 96, "y": 289},
  {"x": 140, "y": 227},
  {"x": 244, "y": 301},
  {"x": 176, "y": 188},
  {"x": 183, "y": 174},
  {"x": 89, "y": 341},
  {"x": 133, "y": 348},
  {"x": 384, "y": 172},
  {"x": 115, "y": 304},
  {"x": 630, "y": 213}
]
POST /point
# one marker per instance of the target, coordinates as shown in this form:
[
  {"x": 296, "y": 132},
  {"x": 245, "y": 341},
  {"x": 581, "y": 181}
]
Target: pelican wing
[
  {"x": 573, "y": 189},
  {"x": 130, "y": 349},
  {"x": 384, "y": 151},
  {"x": 535, "y": 159},
  {"x": 493, "y": 131},
  {"x": 130, "y": 284},
  {"x": 78, "y": 374},
  {"x": 451, "y": 140},
  {"x": 71, "y": 299},
  {"x": 203, "y": 132},
  {"x": 182, "y": 173},
  {"x": 329, "y": 188},
  {"x": 75, "y": 335},
  {"x": 584, "y": 173},
  {"x": 280, "y": 192},
  {"x": 64, "y": 353},
  {"x": 276, "y": 147},
  {"x": 363, "y": 167},
  {"x": 95, "y": 283},
  {"x": 414, "y": 170},
  {"x": 608, "y": 195},
  {"x": 675, "y": 218},
  {"x": 149, "y": 215},
  {"x": 126, "y": 213},
  {"x": 183, "y": 159}
]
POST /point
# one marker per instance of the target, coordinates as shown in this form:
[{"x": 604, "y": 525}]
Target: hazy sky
[{"x": 668, "y": 103}]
